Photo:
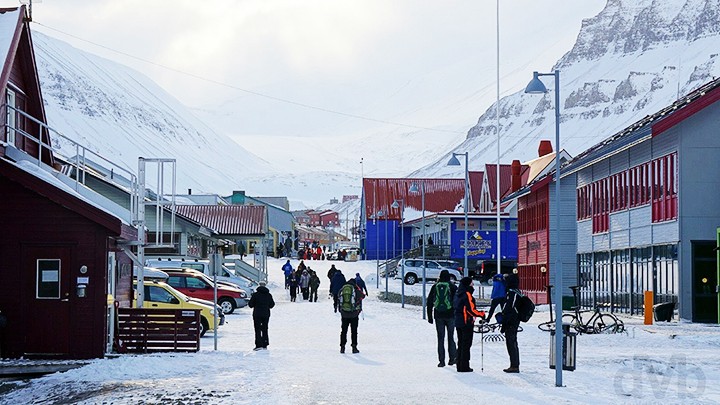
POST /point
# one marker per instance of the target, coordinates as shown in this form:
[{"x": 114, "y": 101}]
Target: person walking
[
  {"x": 511, "y": 322},
  {"x": 293, "y": 285},
  {"x": 338, "y": 280},
  {"x": 287, "y": 269},
  {"x": 331, "y": 272},
  {"x": 261, "y": 302},
  {"x": 350, "y": 303},
  {"x": 465, "y": 314},
  {"x": 440, "y": 309},
  {"x": 305, "y": 285},
  {"x": 497, "y": 297},
  {"x": 361, "y": 284},
  {"x": 314, "y": 285}
]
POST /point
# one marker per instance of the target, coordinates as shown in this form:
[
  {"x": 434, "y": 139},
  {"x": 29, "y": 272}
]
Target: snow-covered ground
[{"x": 672, "y": 363}]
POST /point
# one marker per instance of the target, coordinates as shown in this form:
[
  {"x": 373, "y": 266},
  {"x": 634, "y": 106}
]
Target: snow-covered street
[{"x": 397, "y": 363}]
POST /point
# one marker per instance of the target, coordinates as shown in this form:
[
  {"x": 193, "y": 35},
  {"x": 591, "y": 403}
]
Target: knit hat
[
  {"x": 512, "y": 281},
  {"x": 444, "y": 275},
  {"x": 466, "y": 281}
]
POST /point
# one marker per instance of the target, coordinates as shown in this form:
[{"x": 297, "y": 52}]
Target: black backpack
[{"x": 524, "y": 306}]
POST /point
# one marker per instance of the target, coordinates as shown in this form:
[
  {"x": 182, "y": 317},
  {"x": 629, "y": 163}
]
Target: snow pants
[
  {"x": 261, "y": 331},
  {"x": 511, "y": 332},
  {"x": 443, "y": 326},
  {"x": 313, "y": 294},
  {"x": 353, "y": 323},
  {"x": 305, "y": 293},
  {"x": 293, "y": 293},
  {"x": 465, "y": 340}
]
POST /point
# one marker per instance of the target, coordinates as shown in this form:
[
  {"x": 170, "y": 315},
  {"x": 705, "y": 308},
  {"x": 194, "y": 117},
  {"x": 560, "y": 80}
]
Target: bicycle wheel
[
  {"x": 547, "y": 326},
  {"x": 573, "y": 321},
  {"x": 605, "y": 323},
  {"x": 482, "y": 328}
]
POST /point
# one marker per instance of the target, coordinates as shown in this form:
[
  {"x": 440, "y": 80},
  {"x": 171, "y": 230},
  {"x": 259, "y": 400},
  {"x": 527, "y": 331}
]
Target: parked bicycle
[{"x": 590, "y": 321}]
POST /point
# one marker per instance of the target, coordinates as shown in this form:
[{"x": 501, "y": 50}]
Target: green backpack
[
  {"x": 347, "y": 298},
  {"x": 442, "y": 296}
]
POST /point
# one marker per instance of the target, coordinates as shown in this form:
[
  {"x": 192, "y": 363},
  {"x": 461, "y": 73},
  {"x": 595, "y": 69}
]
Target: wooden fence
[{"x": 145, "y": 330}]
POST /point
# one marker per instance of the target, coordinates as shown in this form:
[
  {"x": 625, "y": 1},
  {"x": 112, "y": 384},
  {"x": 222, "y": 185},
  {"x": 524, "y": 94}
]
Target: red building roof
[
  {"x": 228, "y": 219},
  {"x": 476, "y": 180},
  {"x": 440, "y": 195}
]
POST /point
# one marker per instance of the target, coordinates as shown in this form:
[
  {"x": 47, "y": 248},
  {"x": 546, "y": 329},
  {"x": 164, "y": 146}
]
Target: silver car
[{"x": 413, "y": 271}]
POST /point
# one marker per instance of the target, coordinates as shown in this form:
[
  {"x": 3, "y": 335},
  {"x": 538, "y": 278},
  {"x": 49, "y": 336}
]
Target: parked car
[
  {"x": 452, "y": 264},
  {"x": 227, "y": 275},
  {"x": 413, "y": 270},
  {"x": 196, "y": 284},
  {"x": 487, "y": 268},
  {"x": 161, "y": 295}
]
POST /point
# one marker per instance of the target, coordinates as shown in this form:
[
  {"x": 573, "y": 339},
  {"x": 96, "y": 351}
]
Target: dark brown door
[
  {"x": 705, "y": 307},
  {"x": 47, "y": 271}
]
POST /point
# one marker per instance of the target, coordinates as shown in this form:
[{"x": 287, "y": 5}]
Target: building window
[
  {"x": 664, "y": 197},
  {"x": 11, "y": 117},
  {"x": 48, "y": 279}
]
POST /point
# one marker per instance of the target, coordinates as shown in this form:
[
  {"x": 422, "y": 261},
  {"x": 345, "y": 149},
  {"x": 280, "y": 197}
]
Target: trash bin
[
  {"x": 664, "y": 311},
  {"x": 568, "y": 348}
]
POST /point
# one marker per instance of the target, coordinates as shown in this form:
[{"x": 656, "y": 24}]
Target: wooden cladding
[
  {"x": 653, "y": 182},
  {"x": 145, "y": 330}
]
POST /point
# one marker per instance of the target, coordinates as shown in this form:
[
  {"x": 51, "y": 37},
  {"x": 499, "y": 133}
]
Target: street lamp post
[
  {"x": 455, "y": 162},
  {"x": 536, "y": 86},
  {"x": 402, "y": 248},
  {"x": 378, "y": 215},
  {"x": 414, "y": 189}
]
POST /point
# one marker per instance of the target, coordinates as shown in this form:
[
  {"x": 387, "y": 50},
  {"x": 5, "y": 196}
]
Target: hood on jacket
[
  {"x": 262, "y": 289},
  {"x": 512, "y": 281}
]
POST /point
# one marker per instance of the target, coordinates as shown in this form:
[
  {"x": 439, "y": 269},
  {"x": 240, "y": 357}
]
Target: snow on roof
[
  {"x": 8, "y": 24},
  {"x": 82, "y": 193}
]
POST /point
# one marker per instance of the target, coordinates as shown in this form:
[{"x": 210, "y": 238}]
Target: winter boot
[
  {"x": 342, "y": 349},
  {"x": 512, "y": 370},
  {"x": 355, "y": 350}
]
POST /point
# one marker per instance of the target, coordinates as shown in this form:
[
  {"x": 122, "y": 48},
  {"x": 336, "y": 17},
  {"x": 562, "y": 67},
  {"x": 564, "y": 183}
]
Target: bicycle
[
  {"x": 550, "y": 325},
  {"x": 484, "y": 327},
  {"x": 598, "y": 322}
]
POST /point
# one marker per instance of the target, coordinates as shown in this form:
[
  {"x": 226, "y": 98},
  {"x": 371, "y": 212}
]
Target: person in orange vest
[{"x": 465, "y": 314}]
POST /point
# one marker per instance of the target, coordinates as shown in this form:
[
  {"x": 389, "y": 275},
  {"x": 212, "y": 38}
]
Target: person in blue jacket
[
  {"x": 287, "y": 269},
  {"x": 338, "y": 280},
  {"x": 497, "y": 297}
]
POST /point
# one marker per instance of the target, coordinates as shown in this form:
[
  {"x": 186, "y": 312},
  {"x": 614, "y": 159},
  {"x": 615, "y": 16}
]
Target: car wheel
[
  {"x": 410, "y": 279},
  {"x": 204, "y": 326},
  {"x": 227, "y": 305}
]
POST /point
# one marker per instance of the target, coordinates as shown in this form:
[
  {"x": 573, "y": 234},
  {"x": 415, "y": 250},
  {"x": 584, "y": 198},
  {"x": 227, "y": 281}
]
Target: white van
[{"x": 413, "y": 270}]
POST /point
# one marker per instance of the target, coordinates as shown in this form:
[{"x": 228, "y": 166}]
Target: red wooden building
[{"x": 56, "y": 247}]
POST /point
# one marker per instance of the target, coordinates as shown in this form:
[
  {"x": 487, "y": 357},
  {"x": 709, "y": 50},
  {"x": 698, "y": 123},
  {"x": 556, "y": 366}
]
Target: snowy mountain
[
  {"x": 632, "y": 59},
  {"x": 122, "y": 115}
]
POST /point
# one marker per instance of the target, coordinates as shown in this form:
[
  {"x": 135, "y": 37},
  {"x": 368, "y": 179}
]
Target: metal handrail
[{"x": 81, "y": 151}]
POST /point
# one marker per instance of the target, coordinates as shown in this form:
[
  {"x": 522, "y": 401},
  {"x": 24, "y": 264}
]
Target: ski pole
[{"x": 482, "y": 349}]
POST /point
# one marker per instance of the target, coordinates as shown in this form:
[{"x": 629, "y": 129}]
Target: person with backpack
[
  {"x": 338, "y": 280},
  {"x": 465, "y": 314},
  {"x": 497, "y": 297},
  {"x": 287, "y": 269},
  {"x": 350, "y": 303},
  {"x": 511, "y": 322},
  {"x": 261, "y": 302},
  {"x": 441, "y": 298},
  {"x": 314, "y": 285}
]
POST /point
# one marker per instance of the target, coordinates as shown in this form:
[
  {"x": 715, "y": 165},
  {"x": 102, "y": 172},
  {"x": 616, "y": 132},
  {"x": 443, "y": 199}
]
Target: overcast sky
[{"x": 346, "y": 56}]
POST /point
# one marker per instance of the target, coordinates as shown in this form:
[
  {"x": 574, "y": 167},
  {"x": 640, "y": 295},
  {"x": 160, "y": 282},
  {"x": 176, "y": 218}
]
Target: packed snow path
[{"x": 397, "y": 363}]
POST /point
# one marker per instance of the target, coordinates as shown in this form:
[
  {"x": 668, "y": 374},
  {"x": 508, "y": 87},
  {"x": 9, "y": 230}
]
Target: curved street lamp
[
  {"x": 402, "y": 248},
  {"x": 536, "y": 86},
  {"x": 455, "y": 162}
]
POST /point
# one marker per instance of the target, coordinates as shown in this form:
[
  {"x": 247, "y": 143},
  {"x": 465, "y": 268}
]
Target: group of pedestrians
[
  {"x": 453, "y": 309},
  {"x": 304, "y": 279}
]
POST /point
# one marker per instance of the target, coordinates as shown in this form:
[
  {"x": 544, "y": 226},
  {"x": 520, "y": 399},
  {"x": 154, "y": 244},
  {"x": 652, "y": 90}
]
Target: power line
[{"x": 255, "y": 93}]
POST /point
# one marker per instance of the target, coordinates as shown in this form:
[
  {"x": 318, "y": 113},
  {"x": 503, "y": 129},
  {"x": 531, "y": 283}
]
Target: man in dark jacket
[
  {"x": 350, "y": 317},
  {"x": 314, "y": 285},
  {"x": 511, "y": 322},
  {"x": 336, "y": 283},
  {"x": 361, "y": 283},
  {"x": 465, "y": 313},
  {"x": 440, "y": 303},
  {"x": 261, "y": 302}
]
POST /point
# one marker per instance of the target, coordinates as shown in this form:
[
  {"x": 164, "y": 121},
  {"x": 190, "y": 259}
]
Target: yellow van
[{"x": 160, "y": 295}]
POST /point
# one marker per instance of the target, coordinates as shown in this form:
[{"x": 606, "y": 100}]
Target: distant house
[
  {"x": 242, "y": 223},
  {"x": 61, "y": 265},
  {"x": 329, "y": 218},
  {"x": 281, "y": 222}
]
